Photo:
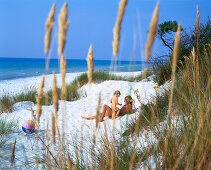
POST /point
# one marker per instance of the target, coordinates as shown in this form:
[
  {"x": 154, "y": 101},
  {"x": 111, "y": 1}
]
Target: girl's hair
[
  {"x": 117, "y": 92},
  {"x": 130, "y": 100}
]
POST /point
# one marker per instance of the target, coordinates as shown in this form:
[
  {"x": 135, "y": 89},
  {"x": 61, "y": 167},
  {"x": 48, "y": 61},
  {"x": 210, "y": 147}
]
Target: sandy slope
[{"x": 70, "y": 113}]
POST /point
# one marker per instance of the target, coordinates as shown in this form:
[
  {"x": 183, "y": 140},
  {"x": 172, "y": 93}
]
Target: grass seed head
[
  {"x": 193, "y": 56},
  {"x": 117, "y": 28},
  {"x": 90, "y": 64},
  {"x": 63, "y": 26},
  {"x": 63, "y": 70},
  {"x": 53, "y": 128},
  {"x": 39, "y": 99},
  {"x": 152, "y": 32},
  {"x": 174, "y": 63},
  {"x": 48, "y": 28},
  {"x": 197, "y": 21},
  {"x": 176, "y": 48}
]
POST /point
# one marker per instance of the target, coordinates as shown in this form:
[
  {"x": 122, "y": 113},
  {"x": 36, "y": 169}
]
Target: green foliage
[
  {"x": 189, "y": 41},
  {"x": 204, "y": 36},
  {"x": 167, "y": 26},
  {"x": 165, "y": 33},
  {"x": 162, "y": 73},
  {"x": 163, "y": 70}
]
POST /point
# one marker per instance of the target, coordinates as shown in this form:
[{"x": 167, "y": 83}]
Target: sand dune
[{"x": 76, "y": 128}]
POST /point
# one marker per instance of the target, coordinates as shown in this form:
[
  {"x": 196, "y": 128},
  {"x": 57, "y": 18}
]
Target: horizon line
[{"x": 70, "y": 59}]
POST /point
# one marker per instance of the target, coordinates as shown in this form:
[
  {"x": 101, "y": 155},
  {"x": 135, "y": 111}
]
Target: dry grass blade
[
  {"x": 13, "y": 154},
  {"x": 174, "y": 63},
  {"x": 117, "y": 28},
  {"x": 197, "y": 42},
  {"x": 55, "y": 103},
  {"x": 90, "y": 64},
  {"x": 194, "y": 56},
  {"x": 55, "y": 94},
  {"x": 98, "y": 110},
  {"x": 69, "y": 162},
  {"x": 48, "y": 28},
  {"x": 53, "y": 128},
  {"x": 176, "y": 48},
  {"x": 63, "y": 25},
  {"x": 47, "y": 140},
  {"x": 197, "y": 22},
  {"x": 152, "y": 32},
  {"x": 39, "y": 99},
  {"x": 33, "y": 114},
  {"x": 63, "y": 70},
  {"x": 194, "y": 66},
  {"x": 132, "y": 159}
]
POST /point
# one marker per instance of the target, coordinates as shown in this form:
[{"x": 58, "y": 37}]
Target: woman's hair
[
  {"x": 130, "y": 100},
  {"x": 117, "y": 92}
]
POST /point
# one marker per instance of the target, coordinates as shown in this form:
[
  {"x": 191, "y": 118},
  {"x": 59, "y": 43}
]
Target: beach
[{"x": 69, "y": 114}]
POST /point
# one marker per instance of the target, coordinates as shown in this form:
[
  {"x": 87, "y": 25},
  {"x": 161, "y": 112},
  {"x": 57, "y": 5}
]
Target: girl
[{"x": 114, "y": 103}]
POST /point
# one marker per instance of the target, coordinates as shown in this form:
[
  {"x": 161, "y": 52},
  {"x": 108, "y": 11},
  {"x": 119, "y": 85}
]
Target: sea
[{"x": 14, "y": 68}]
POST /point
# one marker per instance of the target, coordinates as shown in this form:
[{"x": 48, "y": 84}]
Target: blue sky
[{"x": 22, "y": 26}]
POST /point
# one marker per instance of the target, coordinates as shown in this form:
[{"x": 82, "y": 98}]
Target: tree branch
[{"x": 164, "y": 42}]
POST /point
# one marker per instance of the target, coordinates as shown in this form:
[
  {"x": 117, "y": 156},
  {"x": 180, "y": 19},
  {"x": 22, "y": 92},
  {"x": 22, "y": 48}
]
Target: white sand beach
[{"x": 70, "y": 113}]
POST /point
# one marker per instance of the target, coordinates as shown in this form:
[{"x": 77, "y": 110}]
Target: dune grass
[
  {"x": 151, "y": 114},
  {"x": 6, "y": 129},
  {"x": 7, "y": 126},
  {"x": 184, "y": 141},
  {"x": 7, "y": 101}
]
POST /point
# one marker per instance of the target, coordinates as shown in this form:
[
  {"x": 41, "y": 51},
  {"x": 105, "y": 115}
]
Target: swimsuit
[{"x": 123, "y": 107}]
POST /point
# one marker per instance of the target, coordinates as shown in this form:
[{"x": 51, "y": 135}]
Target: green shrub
[{"x": 162, "y": 72}]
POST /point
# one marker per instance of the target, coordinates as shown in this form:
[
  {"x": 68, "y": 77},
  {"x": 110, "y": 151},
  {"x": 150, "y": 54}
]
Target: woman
[{"x": 107, "y": 111}]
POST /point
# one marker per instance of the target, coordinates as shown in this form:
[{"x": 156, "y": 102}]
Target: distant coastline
[{"x": 14, "y": 68}]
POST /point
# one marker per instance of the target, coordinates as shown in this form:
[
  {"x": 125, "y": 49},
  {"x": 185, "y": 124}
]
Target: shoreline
[{"x": 16, "y": 86}]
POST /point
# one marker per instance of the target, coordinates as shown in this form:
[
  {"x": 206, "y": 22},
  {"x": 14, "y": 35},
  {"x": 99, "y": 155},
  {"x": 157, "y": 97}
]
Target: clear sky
[{"x": 22, "y": 26}]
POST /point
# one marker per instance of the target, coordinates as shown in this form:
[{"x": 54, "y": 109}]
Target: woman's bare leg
[
  {"x": 89, "y": 118},
  {"x": 106, "y": 112},
  {"x": 105, "y": 109}
]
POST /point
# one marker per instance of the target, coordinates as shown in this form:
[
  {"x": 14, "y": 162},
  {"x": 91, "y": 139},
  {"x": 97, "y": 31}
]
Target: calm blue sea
[{"x": 13, "y": 68}]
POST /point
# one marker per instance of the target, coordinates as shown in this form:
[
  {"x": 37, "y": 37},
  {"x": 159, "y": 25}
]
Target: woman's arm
[{"x": 130, "y": 108}]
